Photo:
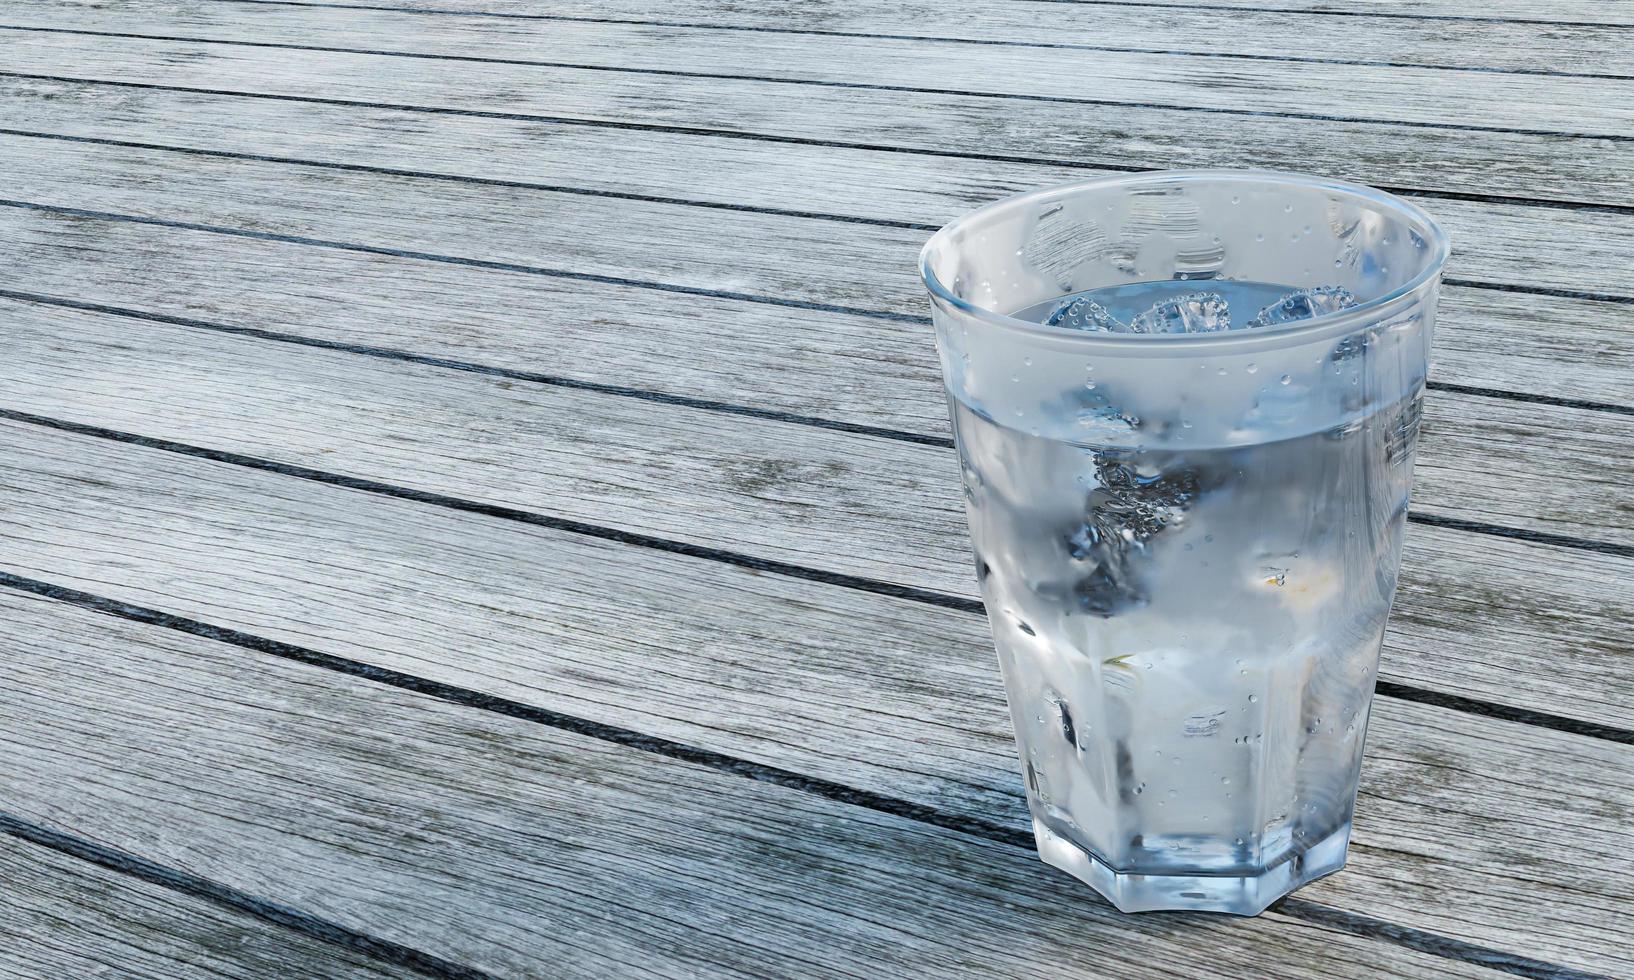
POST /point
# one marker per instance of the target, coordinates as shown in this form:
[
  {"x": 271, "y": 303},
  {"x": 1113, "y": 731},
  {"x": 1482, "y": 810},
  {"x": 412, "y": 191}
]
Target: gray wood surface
[
  {"x": 781, "y": 256},
  {"x": 1583, "y": 106},
  {"x": 1523, "y": 11},
  {"x": 604, "y": 333},
  {"x": 1572, "y": 348},
  {"x": 1383, "y": 152},
  {"x": 530, "y": 851},
  {"x": 840, "y": 502},
  {"x": 1184, "y": 29},
  {"x": 597, "y": 362},
  {"x": 63, "y": 917},
  {"x": 556, "y": 619}
]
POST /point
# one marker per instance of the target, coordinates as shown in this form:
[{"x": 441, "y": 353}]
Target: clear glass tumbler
[{"x": 1186, "y": 407}]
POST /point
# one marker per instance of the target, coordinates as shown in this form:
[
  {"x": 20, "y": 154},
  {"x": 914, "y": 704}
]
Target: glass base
[{"x": 1233, "y": 894}]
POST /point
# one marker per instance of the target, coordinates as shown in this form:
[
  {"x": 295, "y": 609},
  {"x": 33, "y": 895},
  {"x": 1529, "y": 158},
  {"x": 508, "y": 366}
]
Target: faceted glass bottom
[{"x": 1232, "y": 894}]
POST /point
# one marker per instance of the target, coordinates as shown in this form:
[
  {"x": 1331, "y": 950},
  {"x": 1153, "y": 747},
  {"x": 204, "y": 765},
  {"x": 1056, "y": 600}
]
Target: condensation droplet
[
  {"x": 1253, "y": 698},
  {"x": 1252, "y": 368},
  {"x": 1286, "y": 379}
]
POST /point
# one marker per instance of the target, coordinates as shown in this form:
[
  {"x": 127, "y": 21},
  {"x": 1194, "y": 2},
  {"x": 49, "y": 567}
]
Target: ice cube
[
  {"x": 1304, "y": 304},
  {"x": 1133, "y": 503},
  {"x": 1080, "y": 313},
  {"x": 1192, "y": 313}
]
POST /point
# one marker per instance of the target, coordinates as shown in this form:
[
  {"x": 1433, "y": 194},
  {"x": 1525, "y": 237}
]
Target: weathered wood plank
[
  {"x": 536, "y": 852},
  {"x": 776, "y": 255},
  {"x": 876, "y": 507},
  {"x": 1580, "y": 106},
  {"x": 62, "y": 917},
  {"x": 1188, "y": 29},
  {"x": 1388, "y": 153},
  {"x": 1570, "y": 348},
  {"x": 871, "y": 691},
  {"x": 772, "y": 489},
  {"x": 1595, "y": 12}
]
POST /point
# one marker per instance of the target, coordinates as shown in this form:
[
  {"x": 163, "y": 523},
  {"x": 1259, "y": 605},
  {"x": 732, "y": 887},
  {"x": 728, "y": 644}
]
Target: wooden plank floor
[{"x": 478, "y": 496}]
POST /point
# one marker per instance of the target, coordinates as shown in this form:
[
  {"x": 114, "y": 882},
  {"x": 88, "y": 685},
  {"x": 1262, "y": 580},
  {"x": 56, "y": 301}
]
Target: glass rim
[{"x": 1370, "y": 311}]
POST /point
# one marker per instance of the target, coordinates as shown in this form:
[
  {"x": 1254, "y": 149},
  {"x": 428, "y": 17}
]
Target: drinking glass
[{"x": 1186, "y": 406}]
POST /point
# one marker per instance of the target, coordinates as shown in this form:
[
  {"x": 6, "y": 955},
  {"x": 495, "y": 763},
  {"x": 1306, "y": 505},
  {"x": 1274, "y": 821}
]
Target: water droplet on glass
[
  {"x": 1221, "y": 372},
  {"x": 1027, "y": 361},
  {"x": 1252, "y": 368},
  {"x": 1253, "y": 698},
  {"x": 1015, "y": 378},
  {"x": 1225, "y": 780},
  {"x": 1089, "y": 385},
  {"x": 1235, "y": 199},
  {"x": 1287, "y": 209},
  {"x": 1260, "y": 237},
  {"x": 1286, "y": 379}
]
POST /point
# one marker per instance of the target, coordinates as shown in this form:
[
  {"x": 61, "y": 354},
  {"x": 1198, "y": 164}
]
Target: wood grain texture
[
  {"x": 1578, "y": 106},
  {"x": 62, "y": 917},
  {"x": 869, "y": 691},
  {"x": 530, "y": 851},
  {"x": 782, "y": 256},
  {"x": 875, "y": 507},
  {"x": 1536, "y": 11},
  {"x": 607, "y": 334},
  {"x": 1388, "y": 153},
  {"x": 1191, "y": 30},
  {"x": 1474, "y": 610},
  {"x": 1572, "y": 348}
]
